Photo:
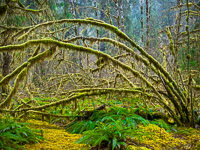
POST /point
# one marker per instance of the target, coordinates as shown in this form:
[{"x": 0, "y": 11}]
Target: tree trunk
[
  {"x": 142, "y": 22},
  {"x": 6, "y": 70},
  {"x": 147, "y": 25}
]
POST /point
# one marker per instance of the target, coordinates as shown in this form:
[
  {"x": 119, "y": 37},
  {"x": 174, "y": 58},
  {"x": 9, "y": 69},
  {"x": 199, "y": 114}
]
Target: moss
[
  {"x": 10, "y": 76},
  {"x": 111, "y": 28},
  {"x": 36, "y": 51},
  {"x": 31, "y": 62},
  {"x": 188, "y": 56},
  {"x": 119, "y": 33},
  {"x": 197, "y": 87},
  {"x": 116, "y": 31},
  {"x": 3, "y": 10},
  {"x": 157, "y": 138},
  {"x": 98, "y": 53},
  {"x": 7, "y": 101},
  {"x": 56, "y": 137},
  {"x": 187, "y": 28},
  {"x": 171, "y": 42},
  {"x": 187, "y": 19}
]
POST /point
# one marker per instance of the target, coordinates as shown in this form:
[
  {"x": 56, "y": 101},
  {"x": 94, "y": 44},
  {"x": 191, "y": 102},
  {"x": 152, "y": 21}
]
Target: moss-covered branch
[
  {"x": 7, "y": 101},
  {"x": 82, "y": 49},
  {"x": 98, "y": 53},
  {"x": 22, "y": 71},
  {"x": 119, "y": 34},
  {"x": 10, "y": 76},
  {"x": 171, "y": 42},
  {"x": 30, "y": 62},
  {"x": 83, "y": 93}
]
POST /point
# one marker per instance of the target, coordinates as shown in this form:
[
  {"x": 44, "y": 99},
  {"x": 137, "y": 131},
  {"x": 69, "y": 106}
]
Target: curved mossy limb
[
  {"x": 91, "y": 92},
  {"x": 7, "y": 101},
  {"x": 126, "y": 79},
  {"x": 150, "y": 58},
  {"x": 30, "y": 63},
  {"x": 10, "y": 76},
  {"x": 111, "y": 90},
  {"x": 88, "y": 92},
  {"x": 83, "y": 49},
  {"x": 89, "y": 50},
  {"x": 114, "y": 42},
  {"x": 173, "y": 99},
  {"x": 118, "y": 33}
]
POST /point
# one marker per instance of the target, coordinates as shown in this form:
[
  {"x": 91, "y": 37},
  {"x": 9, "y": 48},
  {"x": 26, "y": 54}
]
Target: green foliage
[
  {"x": 161, "y": 123},
  {"x": 144, "y": 109},
  {"x": 185, "y": 131},
  {"x": 14, "y": 134},
  {"x": 112, "y": 135},
  {"x": 193, "y": 59},
  {"x": 80, "y": 127},
  {"x": 128, "y": 117}
]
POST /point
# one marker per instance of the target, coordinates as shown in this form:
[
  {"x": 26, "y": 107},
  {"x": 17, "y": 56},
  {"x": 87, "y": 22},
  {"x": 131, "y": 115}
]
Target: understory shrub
[
  {"x": 108, "y": 129},
  {"x": 112, "y": 135},
  {"x": 14, "y": 134},
  {"x": 128, "y": 117}
]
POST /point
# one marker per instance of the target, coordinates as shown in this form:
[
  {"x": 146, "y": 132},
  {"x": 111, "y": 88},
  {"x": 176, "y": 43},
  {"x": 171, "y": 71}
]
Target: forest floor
[{"x": 57, "y": 139}]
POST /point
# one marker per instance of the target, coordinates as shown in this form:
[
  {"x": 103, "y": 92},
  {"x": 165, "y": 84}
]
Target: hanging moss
[
  {"x": 115, "y": 30},
  {"x": 80, "y": 48},
  {"x": 83, "y": 49}
]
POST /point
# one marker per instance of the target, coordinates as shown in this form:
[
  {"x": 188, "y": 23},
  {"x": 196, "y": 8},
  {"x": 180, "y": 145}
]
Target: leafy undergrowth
[
  {"x": 56, "y": 138},
  {"x": 115, "y": 128},
  {"x": 14, "y": 134},
  {"x": 151, "y": 136},
  {"x": 120, "y": 128}
]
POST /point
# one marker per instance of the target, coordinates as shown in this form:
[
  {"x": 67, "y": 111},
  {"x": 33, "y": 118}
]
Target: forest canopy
[{"x": 59, "y": 58}]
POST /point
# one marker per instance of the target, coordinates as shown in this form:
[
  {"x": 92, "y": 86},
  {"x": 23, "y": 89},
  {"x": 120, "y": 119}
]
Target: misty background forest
[{"x": 100, "y": 74}]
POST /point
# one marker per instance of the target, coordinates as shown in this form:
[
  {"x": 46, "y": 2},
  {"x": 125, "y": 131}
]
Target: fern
[
  {"x": 105, "y": 135},
  {"x": 111, "y": 136},
  {"x": 113, "y": 114},
  {"x": 14, "y": 134},
  {"x": 80, "y": 127}
]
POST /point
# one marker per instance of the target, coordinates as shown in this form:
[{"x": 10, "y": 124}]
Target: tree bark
[{"x": 6, "y": 70}]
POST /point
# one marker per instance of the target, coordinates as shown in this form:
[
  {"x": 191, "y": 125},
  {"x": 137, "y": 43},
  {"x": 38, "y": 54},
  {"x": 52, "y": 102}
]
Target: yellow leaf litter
[{"x": 56, "y": 138}]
